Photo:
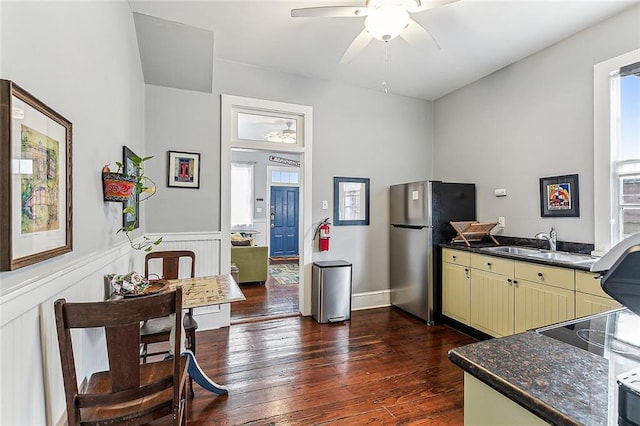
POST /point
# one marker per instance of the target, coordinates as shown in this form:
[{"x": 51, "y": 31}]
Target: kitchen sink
[
  {"x": 512, "y": 250},
  {"x": 562, "y": 257},
  {"x": 533, "y": 253}
]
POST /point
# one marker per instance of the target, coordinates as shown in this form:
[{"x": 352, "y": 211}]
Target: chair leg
[{"x": 191, "y": 345}]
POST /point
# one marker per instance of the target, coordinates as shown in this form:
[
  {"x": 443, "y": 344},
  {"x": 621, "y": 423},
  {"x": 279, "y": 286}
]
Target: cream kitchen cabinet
[
  {"x": 492, "y": 295},
  {"x": 505, "y": 296},
  {"x": 543, "y": 295},
  {"x": 590, "y": 298},
  {"x": 456, "y": 285},
  {"x": 492, "y": 303}
]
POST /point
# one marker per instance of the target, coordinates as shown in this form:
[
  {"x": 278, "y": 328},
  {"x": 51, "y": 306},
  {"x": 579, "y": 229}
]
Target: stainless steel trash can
[{"x": 331, "y": 291}]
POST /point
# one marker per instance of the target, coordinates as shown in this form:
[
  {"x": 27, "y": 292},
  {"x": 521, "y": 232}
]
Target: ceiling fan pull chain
[{"x": 386, "y": 58}]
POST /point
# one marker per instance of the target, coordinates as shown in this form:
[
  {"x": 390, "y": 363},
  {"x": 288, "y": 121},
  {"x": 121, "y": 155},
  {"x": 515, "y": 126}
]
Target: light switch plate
[
  {"x": 501, "y": 221},
  {"x": 325, "y": 205}
]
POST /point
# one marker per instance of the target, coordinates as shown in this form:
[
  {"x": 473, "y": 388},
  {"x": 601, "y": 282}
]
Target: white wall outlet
[
  {"x": 501, "y": 192},
  {"x": 258, "y": 209},
  {"x": 501, "y": 221},
  {"x": 325, "y": 205}
]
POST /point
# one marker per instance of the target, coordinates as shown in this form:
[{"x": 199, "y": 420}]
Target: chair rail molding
[{"x": 31, "y": 391}]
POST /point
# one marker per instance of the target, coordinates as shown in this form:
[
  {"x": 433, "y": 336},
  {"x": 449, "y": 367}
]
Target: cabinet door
[
  {"x": 492, "y": 303},
  {"x": 456, "y": 292},
  {"x": 538, "y": 304},
  {"x": 588, "y": 304}
]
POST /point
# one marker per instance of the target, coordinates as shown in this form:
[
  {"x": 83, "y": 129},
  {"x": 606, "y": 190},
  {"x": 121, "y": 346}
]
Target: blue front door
[{"x": 284, "y": 221}]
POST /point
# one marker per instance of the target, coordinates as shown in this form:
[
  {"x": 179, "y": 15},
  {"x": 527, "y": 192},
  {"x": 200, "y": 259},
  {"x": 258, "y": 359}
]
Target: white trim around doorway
[{"x": 229, "y": 108}]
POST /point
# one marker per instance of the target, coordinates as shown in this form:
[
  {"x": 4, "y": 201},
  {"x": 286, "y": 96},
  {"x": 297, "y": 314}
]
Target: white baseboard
[
  {"x": 213, "y": 317},
  {"x": 370, "y": 300}
]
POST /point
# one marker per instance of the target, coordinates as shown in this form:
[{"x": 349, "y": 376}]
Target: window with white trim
[
  {"x": 616, "y": 149},
  {"x": 242, "y": 195},
  {"x": 625, "y": 150}
]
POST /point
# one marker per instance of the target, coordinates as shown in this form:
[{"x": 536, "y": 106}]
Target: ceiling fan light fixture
[{"x": 386, "y": 22}]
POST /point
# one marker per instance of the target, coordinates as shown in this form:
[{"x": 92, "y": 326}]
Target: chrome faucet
[{"x": 551, "y": 237}]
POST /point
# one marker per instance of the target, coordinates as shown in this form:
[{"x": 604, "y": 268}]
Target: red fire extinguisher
[{"x": 323, "y": 232}]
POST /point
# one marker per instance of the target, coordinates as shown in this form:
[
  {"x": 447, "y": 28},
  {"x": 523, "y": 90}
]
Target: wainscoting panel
[
  {"x": 206, "y": 246},
  {"x": 260, "y": 239},
  {"x": 31, "y": 389}
]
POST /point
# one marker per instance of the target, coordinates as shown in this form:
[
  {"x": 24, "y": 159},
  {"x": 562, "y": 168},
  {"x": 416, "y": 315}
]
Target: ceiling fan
[{"x": 384, "y": 21}]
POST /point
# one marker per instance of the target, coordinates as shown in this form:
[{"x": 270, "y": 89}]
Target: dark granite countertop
[
  {"x": 559, "y": 383},
  {"x": 477, "y": 248},
  {"x": 565, "y": 373}
]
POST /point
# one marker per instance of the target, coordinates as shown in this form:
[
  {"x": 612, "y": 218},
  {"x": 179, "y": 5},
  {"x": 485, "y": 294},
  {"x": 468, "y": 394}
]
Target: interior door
[{"x": 284, "y": 221}]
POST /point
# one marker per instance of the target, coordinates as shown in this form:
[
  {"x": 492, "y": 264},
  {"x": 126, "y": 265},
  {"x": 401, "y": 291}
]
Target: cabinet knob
[
  {"x": 540, "y": 274},
  {"x": 510, "y": 281},
  {"x": 489, "y": 264},
  {"x": 453, "y": 257}
]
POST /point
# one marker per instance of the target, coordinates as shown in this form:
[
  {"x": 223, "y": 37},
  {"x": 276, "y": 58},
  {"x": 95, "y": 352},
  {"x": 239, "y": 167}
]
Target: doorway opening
[
  {"x": 265, "y": 218},
  {"x": 283, "y": 128}
]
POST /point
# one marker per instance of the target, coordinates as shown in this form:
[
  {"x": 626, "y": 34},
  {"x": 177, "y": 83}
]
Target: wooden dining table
[
  {"x": 196, "y": 293},
  {"x": 205, "y": 291}
]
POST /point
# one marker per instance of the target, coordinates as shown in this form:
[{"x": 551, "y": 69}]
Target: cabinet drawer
[
  {"x": 492, "y": 264},
  {"x": 587, "y": 282},
  {"x": 458, "y": 257},
  {"x": 550, "y": 275}
]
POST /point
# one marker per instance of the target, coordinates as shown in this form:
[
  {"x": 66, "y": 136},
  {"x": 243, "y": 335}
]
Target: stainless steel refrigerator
[{"x": 419, "y": 215}]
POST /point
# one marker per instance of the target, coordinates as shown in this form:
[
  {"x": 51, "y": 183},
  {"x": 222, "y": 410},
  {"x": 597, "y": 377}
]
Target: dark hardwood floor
[
  {"x": 381, "y": 367},
  {"x": 268, "y": 300}
]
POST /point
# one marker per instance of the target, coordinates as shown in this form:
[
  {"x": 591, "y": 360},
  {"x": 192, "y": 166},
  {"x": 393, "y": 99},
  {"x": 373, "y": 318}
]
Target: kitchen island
[{"x": 555, "y": 382}]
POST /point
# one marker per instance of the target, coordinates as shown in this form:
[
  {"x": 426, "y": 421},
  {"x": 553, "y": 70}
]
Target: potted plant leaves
[{"x": 142, "y": 186}]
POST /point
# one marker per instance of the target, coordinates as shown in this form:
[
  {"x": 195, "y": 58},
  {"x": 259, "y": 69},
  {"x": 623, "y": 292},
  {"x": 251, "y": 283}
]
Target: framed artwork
[
  {"x": 350, "y": 201},
  {"x": 184, "y": 169},
  {"x": 35, "y": 180},
  {"x": 130, "y": 218},
  {"x": 559, "y": 196}
]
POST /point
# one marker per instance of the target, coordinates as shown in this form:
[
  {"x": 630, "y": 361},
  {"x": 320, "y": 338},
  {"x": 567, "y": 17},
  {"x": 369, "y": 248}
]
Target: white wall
[
  {"x": 529, "y": 120},
  {"x": 357, "y": 132},
  {"x": 81, "y": 59}
]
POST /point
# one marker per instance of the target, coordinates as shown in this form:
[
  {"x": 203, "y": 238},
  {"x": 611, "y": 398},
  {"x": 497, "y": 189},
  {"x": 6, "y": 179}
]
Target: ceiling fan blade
[
  {"x": 430, "y": 4},
  {"x": 357, "y": 46},
  {"x": 418, "y": 36},
  {"x": 330, "y": 12}
]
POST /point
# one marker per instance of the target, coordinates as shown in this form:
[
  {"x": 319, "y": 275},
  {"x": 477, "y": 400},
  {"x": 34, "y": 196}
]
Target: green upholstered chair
[{"x": 252, "y": 263}]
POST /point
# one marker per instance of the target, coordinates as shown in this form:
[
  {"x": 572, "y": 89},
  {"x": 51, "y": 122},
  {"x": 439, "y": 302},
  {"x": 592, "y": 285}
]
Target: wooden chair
[
  {"x": 158, "y": 330},
  {"x": 129, "y": 392}
]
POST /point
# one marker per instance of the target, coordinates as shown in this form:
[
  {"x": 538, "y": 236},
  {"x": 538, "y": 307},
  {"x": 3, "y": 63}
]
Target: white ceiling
[{"x": 477, "y": 37}]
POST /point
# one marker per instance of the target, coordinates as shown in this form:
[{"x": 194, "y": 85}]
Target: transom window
[
  {"x": 281, "y": 176},
  {"x": 268, "y": 127}
]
